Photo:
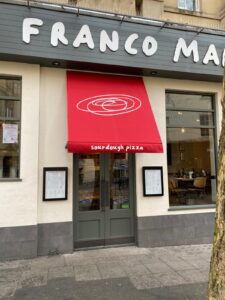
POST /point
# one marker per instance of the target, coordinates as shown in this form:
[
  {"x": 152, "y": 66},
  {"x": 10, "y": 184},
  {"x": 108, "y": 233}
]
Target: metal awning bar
[{"x": 123, "y": 17}]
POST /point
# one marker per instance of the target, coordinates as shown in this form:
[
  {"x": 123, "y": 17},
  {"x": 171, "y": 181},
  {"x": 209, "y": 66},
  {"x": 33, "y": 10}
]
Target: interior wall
[{"x": 186, "y": 160}]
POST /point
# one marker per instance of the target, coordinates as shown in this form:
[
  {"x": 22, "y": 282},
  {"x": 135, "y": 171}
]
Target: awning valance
[{"x": 110, "y": 113}]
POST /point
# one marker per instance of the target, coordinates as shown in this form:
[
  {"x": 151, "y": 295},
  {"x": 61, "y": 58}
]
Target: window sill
[
  {"x": 10, "y": 179},
  {"x": 191, "y": 207}
]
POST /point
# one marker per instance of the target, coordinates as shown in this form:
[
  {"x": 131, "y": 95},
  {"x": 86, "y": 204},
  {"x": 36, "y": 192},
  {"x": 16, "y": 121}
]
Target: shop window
[
  {"x": 191, "y": 149},
  {"x": 10, "y": 106},
  {"x": 191, "y": 5}
]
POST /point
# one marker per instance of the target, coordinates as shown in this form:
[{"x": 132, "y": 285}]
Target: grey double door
[{"x": 103, "y": 199}]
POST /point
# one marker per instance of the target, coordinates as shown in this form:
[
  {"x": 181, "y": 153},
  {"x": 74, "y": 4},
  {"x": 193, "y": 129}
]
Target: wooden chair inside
[
  {"x": 179, "y": 193},
  {"x": 199, "y": 185}
]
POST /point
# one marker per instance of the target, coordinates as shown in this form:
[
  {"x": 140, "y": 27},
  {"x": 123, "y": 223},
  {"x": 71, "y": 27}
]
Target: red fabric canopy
[{"x": 110, "y": 113}]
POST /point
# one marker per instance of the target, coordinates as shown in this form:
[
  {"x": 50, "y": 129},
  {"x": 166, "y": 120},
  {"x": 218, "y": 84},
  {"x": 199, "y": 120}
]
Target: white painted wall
[
  {"x": 53, "y": 138},
  {"x": 156, "y": 87},
  {"x": 18, "y": 200},
  {"x": 52, "y": 142},
  {"x": 43, "y": 140}
]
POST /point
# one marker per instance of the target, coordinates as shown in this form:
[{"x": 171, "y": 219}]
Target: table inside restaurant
[{"x": 183, "y": 182}]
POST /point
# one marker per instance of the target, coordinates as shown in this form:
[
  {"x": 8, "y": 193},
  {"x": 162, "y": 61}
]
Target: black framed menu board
[
  {"x": 153, "y": 181},
  {"x": 55, "y": 182}
]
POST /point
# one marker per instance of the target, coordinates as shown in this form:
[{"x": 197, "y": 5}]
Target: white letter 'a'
[
  {"x": 128, "y": 45},
  {"x": 113, "y": 44},
  {"x": 28, "y": 30},
  {"x": 187, "y": 51},
  {"x": 211, "y": 54},
  {"x": 58, "y": 34},
  {"x": 84, "y": 37}
]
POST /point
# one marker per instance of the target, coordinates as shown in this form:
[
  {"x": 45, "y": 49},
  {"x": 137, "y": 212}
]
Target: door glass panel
[
  {"x": 89, "y": 182},
  {"x": 119, "y": 181}
]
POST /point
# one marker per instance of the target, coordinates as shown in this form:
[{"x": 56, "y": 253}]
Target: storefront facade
[{"x": 181, "y": 72}]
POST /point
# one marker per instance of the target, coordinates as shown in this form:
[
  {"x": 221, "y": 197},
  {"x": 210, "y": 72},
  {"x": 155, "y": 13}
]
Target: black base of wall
[
  {"x": 18, "y": 242},
  {"x": 174, "y": 230},
  {"x": 55, "y": 238},
  {"x": 30, "y": 241}
]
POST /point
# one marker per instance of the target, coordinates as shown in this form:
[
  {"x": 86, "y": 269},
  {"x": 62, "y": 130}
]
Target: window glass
[
  {"x": 191, "y": 157},
  {"x": 10, "y": 87},
  {"x": 119, "y": 181},
  {"x": 192, "y": 102},
  {"x": 187, "y": 4},
  {"x": 10, "y": 106},
  {"x": 9, "y": 109},
  {"x": 189, "y": 119},
  {"x": 89, "y": 182}
]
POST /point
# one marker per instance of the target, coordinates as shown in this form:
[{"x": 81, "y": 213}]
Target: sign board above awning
[
  {"x": 108, "y": 113},
  {"x": 63, "y": 38}
]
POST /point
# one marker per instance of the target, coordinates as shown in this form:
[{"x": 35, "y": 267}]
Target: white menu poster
[
  {"x": 10, "y": 133},
  {"x": 55, "y": 184},
  {"x": 153, "y": 182}
]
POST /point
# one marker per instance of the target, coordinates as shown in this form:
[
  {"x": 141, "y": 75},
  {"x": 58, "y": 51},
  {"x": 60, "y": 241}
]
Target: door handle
[{"x": 104, "y": 196}]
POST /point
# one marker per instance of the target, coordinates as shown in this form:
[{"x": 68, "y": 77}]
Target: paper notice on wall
[
  {"x": 153, "y": 182},
  {"x": 55, "y": 185},
  {"x": 10, "y": 133}
]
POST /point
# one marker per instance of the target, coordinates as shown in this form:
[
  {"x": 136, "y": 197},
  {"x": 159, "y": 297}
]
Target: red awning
[{"x": 110, "y": 113}]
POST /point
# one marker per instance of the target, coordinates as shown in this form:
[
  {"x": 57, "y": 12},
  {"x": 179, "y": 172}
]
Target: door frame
[{"x": 75, "y": 189}]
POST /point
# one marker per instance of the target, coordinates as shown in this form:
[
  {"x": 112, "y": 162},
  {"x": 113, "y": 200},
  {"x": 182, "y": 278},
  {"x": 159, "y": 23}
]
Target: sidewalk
[{"x": 121, "y": 273}]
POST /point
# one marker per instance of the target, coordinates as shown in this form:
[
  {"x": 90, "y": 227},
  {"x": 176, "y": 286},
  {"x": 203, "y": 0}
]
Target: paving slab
[
  {"x": 110, "y": 289},
  {"x": 170, "y": 278},
  {"x": 158, "y": 266},
  {"x": 32, "y": 278},
  {"x": 179, "y": 272},
  {"x": 58, "y": 272},
  {"x": 86, "y": 273},
  {"x": 110, "y": 270}
]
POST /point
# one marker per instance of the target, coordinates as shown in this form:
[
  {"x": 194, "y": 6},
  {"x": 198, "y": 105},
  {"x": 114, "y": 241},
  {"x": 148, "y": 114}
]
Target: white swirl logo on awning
[{"x": 109, "y": 105}]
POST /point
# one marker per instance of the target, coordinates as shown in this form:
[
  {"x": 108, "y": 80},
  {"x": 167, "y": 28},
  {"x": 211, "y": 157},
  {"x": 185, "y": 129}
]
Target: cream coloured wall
[
  {"x": 53, "y": 138},
  {"x": 52, "y": 142},
  {"x": 156, "y": 87},
  {"x": 18, "y": 200}
]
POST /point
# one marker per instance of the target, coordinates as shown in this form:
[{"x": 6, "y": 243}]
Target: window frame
[
  {"x": 18, "y": 120},
  {"x": 213, "y": 127}
]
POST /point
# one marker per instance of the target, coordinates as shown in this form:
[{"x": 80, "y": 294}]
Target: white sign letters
[{"x": 111, "y": 41}]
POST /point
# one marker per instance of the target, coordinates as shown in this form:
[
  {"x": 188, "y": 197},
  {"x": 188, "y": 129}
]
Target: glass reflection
[
  {"x": 189, "y": 119},
  {"x": 193, "y": 102},
  {"x": 191, "y": 166},
  {"x": 89, "y": 182},
  {"x": 10, "y": 87},
  {"x": 9, "y": 155},
  {"x": 119, "y": 181},
  {"x": 9, "y": 109}
]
